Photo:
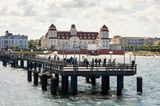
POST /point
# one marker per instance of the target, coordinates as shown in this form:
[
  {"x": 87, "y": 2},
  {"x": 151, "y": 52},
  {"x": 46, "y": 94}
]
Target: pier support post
[
  {"x": 35, "y": 82},
  {"x": 31, "y": 65},
  {"x": 12, "y": 64},
  {"x": 54, "y": 86},
  {"x": 5, "y": 63},
  {"x": 93, "y": 81},
  {"x": 28, "y": 65},
  {"x": 87, "y": 80},
  {"x": 16, "y": 63},
  {"x": 57, "y": 77},
  {"x": 39, "y": 67},
  {"x": 119, "y": 85},
  {"x": 139, "y": 85},
  {"x": 22, "y": 63},
  {"x": 105, "y": 84},
  {"x": 74, "y": 84},
  {"x": 44, "y": 82},
  {"x": 29, "y": 75},
  {"x": 35, "y": 66},
  {"x": 64, "y": 86}
]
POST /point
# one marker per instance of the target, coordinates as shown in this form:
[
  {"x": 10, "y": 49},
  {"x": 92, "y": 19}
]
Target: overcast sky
[{"x": 123, "y": 17}]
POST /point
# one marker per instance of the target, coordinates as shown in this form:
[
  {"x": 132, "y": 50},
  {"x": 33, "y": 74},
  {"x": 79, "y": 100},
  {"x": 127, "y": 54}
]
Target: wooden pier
[{"x": 54, "y": 69}]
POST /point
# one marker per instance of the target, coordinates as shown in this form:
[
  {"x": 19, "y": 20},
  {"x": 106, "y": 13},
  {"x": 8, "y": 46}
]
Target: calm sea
[{"x": 16, "y": 91}]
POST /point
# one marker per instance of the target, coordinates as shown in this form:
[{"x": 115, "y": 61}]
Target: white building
[
  {"x": 13, "y": 41},
  {"x": 74, "y": 39}
]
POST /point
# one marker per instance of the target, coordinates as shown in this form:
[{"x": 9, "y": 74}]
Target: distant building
[
  {"x": 115, "y": 43},
  {"x": 130, "y": 43},
  {"x": 44, "y": 42},
  {"x": 73, "y": 39},
  {"x": 127, "y": 42},
  {"x": 13, "y": 41}
]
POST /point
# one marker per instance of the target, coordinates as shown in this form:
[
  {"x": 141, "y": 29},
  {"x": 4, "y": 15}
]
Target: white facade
[
  {"x": 73, "y": 39},
  {"x": 12, "y": 41},
  {"x": 104, "y": 34}
]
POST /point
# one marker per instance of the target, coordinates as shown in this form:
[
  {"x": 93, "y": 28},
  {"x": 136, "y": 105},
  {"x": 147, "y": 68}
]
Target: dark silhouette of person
[
  {"x": 92, "y": 62},
  {"x": 133, "y": 63},
  {"x": 99, "y": 62},
  {"x": 96, "y": 61},
  {"x": 87, "y": 63},
  {"x": 104, "y": 62}
]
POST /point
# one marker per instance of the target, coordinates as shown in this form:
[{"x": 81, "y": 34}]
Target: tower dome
[{"x": 104, "y": 28}]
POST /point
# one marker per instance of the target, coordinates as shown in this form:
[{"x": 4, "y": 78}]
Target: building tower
[
  {"x": 73, "y": 30},
  {"x": 104, "y": 34},
  {"x": 52, "y": 37}
]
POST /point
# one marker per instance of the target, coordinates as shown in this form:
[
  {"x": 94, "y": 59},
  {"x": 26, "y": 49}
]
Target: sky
[{"x": 122, "y": 17}]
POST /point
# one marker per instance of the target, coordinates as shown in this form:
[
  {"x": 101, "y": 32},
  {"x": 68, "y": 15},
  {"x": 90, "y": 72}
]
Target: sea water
[{"x": 16, "y": 91}]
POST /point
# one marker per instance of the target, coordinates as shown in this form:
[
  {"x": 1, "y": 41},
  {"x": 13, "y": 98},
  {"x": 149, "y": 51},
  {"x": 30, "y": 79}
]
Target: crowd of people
[{"x": 95, "y": 62}]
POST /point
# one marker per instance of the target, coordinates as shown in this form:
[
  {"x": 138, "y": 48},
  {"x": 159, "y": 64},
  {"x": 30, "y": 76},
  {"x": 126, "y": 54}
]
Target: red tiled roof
[
  {"x": 63, "y": 34},
  {"x": 87, "y": 35},
  {"x": 81, "y": 35},
  {"x": 52, "y": 27}
]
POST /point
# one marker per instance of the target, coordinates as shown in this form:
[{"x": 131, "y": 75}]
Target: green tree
[{"x": 31, "y": 44}]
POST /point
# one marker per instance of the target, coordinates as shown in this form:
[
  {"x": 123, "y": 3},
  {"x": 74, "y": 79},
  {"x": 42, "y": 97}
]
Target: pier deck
[
  {"x": 64, "y": 68},
  {"x": 52, "y": 69}
]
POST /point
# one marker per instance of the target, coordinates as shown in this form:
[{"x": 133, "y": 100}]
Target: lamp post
[
  {"x": 124, "y": 57},
  {"x": 130, "y": 54},
  {"x": 134, "y": 51},
  {"x": 79, "y": 53},
  {"x": 111, "y": 52},
  {"x": 63, "y": 50}
]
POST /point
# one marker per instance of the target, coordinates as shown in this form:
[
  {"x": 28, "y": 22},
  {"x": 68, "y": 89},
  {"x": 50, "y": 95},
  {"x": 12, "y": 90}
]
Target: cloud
[
  {"x": 27, "y": 8},
  {"x": 123, "y": 17},
  {"x": 3, "y": 10}
]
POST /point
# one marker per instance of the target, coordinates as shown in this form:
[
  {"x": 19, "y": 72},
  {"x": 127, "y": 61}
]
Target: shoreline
[{"x": 144, "y": 53}]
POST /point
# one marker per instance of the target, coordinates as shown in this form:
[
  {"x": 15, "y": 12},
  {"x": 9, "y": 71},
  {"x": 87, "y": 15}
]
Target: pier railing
[{"x": 59, "y": 66}]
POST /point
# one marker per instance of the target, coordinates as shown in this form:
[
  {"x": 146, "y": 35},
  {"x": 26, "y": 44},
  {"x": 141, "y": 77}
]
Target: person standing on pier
[
  {"x": 99, "y": 62},
  {"x": 133, "y": 63},
  {"x": 114, "y": 62},
  {"x": 109, "y": 62},
  {"x": 58, "y": 58},
  {"x": 87, "y": 63},
  {"x": 96, "y": 62},
  {"x": 49, "y": 58},
  {"x": 92, "y": 62},
  {"x": 104, "y": 62}
]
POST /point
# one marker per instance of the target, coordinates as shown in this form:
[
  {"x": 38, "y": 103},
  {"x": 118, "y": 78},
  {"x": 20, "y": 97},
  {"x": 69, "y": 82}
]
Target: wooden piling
[
  {"x": 14, "y": 63},
  {"x": 139, "y": 85},
  {"x": 28, "y": 65},
  {"x": 57, "y": 77},
  {"x": 31, "y": 65},
  {"x": 35, "y": 75},
  {"x": 29, "y": 75},
  {"x": 105, "y": 84},
  {"x": 54, "y": 86},
  {"x": 87, "y": 80},
  {"x": 22, "y": 63},
  {"x": 119, "y": 85},
  {"x": 74, "y": 84},
  {"x": 64, "y": 87},
  {"x": 93, "y": 81},
  {"x": 5, "y": 63},
  {"x": 44, "y": 82},
  {"x": 35, "y": 66}
]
